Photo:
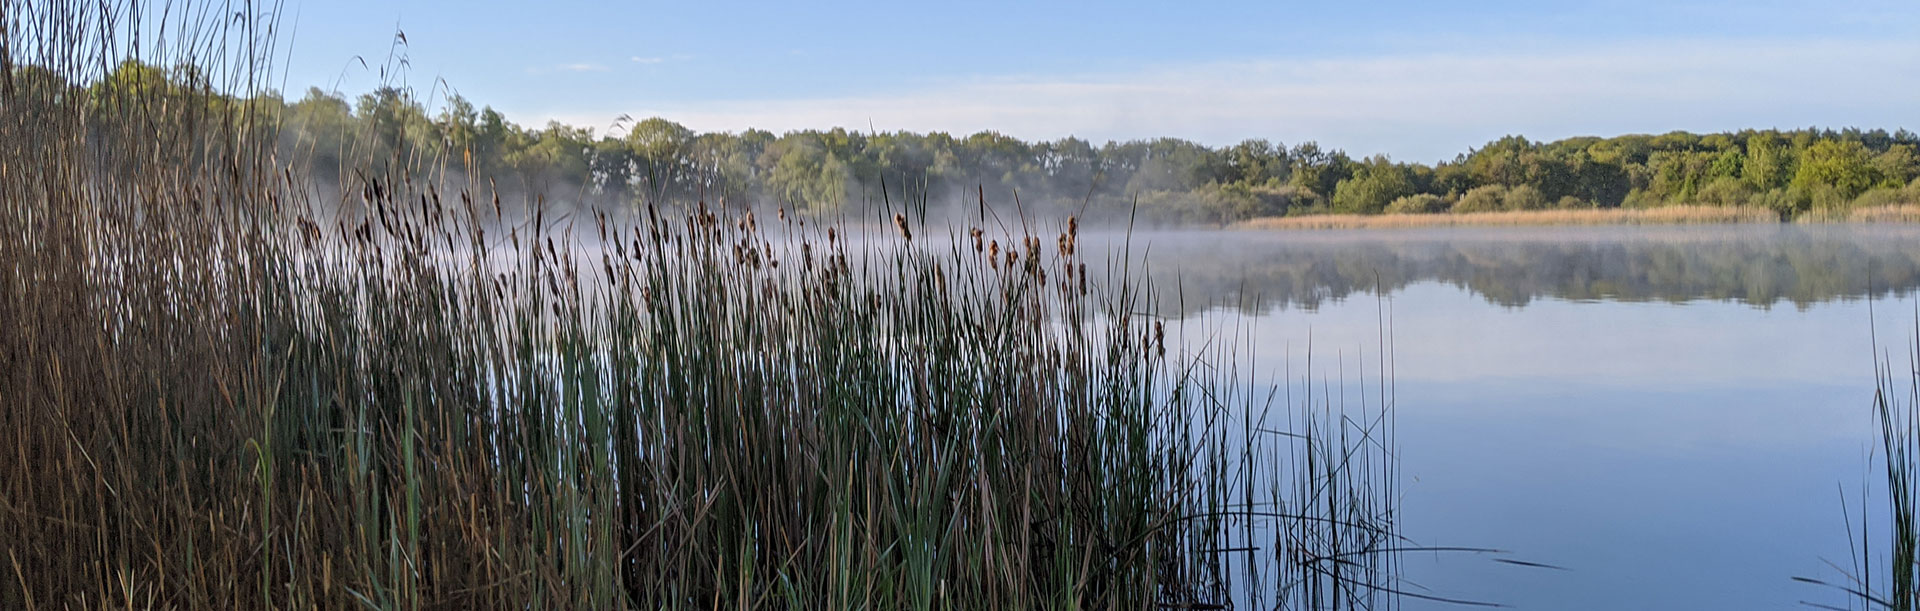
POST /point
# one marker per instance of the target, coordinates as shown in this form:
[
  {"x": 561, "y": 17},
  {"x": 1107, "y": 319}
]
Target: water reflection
[
  {"x": 1628, "y": 403},
  {"x": 1761, "y": 265}
]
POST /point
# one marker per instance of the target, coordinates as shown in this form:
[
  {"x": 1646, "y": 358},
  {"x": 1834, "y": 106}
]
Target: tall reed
[{"x": 220, "y": 391}]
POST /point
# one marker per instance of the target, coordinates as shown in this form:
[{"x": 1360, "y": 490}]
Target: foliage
[
  {"x": 833, "y": 171},
  {"x": 1421, "y": 203},
  {"x": 1489, "y": 198},
  {"x": 1374, "y": 184}
]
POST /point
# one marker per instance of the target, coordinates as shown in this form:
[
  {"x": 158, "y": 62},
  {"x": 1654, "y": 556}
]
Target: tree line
[{"x": 1163, "y": 180}]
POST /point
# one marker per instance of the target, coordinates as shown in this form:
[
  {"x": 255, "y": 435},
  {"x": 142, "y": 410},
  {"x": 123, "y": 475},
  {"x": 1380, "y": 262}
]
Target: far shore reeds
[{"x": 1668, "y": 215}]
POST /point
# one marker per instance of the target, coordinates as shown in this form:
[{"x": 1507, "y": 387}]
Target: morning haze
[{"x": 1601, "y": 305}]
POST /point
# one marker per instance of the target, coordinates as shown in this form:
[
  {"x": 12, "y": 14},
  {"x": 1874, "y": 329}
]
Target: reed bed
[
  {"x": 1898, "y": 213},
  {"x": 217, "y": 391},
  {"x": 1668, "y": 215}
]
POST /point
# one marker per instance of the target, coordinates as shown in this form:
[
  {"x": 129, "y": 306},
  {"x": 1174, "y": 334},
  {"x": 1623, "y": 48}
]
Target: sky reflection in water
[{"x": 1676, "y": 443}]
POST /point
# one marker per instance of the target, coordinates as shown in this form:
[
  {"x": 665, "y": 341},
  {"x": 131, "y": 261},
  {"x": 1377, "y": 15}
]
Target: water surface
[{"x": 1669, "y": 413}]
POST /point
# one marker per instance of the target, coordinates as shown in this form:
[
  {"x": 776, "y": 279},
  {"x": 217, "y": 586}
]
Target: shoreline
[{"x": 1666, "y": 215}]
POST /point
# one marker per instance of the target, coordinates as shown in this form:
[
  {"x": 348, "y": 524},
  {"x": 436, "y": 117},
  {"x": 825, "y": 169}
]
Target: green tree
[
  {"x": 1490, "y": 198},
  {"x": 1845, "y": 166},
  {"x": 660, "y": 151},
  {"x": 1376, "y": 182},
  {"x": 1769, "y": 163},
  {"x": 1419, "y": 203}
]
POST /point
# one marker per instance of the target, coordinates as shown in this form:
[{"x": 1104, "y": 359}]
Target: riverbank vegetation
[
  {"x": 1824, "y": 173},
  {"x": 1669, "y": 215}
]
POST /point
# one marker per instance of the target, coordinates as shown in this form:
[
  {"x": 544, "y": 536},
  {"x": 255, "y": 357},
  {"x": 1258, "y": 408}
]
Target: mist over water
[
  {"x": 1760, "y": 265},
  {"x": 1666, "y": 412},
  {"x": 1670, "y": 414}
]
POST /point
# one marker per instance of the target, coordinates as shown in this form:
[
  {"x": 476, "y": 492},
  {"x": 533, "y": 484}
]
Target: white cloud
[
  {"x": 655, "y": 59},
  {"x": 1416, "y": 107}
]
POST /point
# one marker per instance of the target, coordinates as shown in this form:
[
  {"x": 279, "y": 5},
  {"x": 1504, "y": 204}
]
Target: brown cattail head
[
  {"x": 1073, "y": 226},
  {"x": 993, "y": 253},
  {"x": 900, "y": 220},
  {"x": 830, "y": 236}
]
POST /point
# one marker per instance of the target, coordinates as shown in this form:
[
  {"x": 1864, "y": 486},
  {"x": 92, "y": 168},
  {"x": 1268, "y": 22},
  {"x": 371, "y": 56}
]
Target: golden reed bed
[
  {"x": 1898, "y": 213},
  {"x": 1671, "y": 215}
]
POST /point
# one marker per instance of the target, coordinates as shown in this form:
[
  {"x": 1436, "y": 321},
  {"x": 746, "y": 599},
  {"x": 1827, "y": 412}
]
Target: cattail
[
  {"x": 1083, "y": 279},
  {"x": 830, "y": 236},
  {"x": 900, "y": 220},
  {"x": 993, "y": 254}
]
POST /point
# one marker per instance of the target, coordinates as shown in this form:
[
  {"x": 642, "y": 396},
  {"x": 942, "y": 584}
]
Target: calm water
[{"x": 1669, "y": 413}]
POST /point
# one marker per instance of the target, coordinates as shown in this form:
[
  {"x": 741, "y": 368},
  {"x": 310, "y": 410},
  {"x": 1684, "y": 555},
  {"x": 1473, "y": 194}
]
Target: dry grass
[
  {"x": 1899, "y": 213},
  {"x": 1671, "y": 215}
]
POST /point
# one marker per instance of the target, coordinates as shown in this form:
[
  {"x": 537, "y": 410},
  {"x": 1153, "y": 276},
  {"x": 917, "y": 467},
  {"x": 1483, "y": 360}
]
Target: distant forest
[{"x": 1165, "y": 180}]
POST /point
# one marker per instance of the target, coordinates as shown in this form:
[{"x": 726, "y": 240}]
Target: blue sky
[{"x": 1419, "y": 81}]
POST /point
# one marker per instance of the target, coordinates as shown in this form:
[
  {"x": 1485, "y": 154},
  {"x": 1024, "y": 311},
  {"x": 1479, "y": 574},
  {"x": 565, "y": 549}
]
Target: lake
[{"x": 1669, "y": 413}]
